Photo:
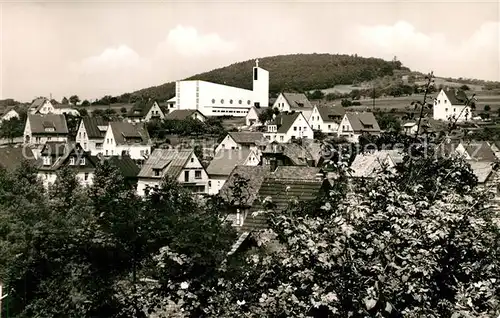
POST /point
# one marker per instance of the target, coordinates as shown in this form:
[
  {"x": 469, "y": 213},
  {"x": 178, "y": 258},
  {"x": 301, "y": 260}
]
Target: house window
[
  {"x": 142, "y": 153},
  {"x": 222, "y": 101},
  {"x": 80, "y": 135},
  {"x": 445, "y": 101},
  {"x": 230, "y": 101},
  {"x": 329, "y": 126},
  {"x": 85, "y": 146},
  {"x": 240, "y": 102},
  {"x": 249, "y": 102},
  {"x": 213, "y": 101},
  {"x": 294, "y": 128},
  {"x": 82, "y": 162},
  {"x": 454, "y": 109},
  {"x": 209, "y": 184},
  {"x": 255, "y": 74},
  {"x": 86, "y": 177},
  {"x": 281, "y": 138},
  {"x": 72, "y": 161},
  {"x": 446, "y": 109},
  {"x": 37, "y": 139},
  {"x": 84, "y": 134},
  {"x": 197, "y": 174},
  {"x": 106, "y": 152},
  {"x": 49, "y": 138},
  {"x": 186, "y": 176},
  {"x": 300, "y": 128},
  {"x": 46, "y": 161},
  {"x": 156, "y": 172}
]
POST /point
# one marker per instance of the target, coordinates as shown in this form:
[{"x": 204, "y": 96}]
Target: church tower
[{"x": 260, "y": 86}]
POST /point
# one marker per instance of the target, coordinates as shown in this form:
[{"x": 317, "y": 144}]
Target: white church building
[{"x": 213, "y": 99}]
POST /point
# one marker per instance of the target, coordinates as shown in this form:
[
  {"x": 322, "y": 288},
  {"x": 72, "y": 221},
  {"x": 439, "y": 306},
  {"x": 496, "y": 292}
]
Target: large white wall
[
  {"x": 444, "y": 110},
  {"x": 261, "y": 86}
]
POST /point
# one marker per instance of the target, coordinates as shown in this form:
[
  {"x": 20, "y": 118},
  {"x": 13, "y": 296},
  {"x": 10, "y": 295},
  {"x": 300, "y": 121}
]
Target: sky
[{"x": 96, "y": 48}]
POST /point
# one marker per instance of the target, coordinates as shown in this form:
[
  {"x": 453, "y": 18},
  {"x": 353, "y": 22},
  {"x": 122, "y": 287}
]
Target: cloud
[
  {"x": 187, "y": 41},
  {"x": 475, "y": 57},
  {"x": 121, "y": 58}
]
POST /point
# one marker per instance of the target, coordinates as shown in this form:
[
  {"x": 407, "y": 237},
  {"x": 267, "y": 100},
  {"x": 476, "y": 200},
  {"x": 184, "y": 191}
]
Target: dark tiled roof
[
  {"x": 331, "y": 114},
  {"x": 141, "y": 108},
  {"x": 284, "y": 121},
  {"x": 247, "y": 138},
  {"x": 12, "y": 157},
  {"x": 296, "y": 172},
  {"x": 60, "y": 154},
  {"x": 128, "y": 133},
  {"x": 126, "y": 165},
  {"x": 182, "y": 114},
  {"x": 480, "y": 151},
  {"x": 226, "y": 159},
  {"x": 92, "y": 125},
  {"x": 38, "y": 103},
  {"x": 38, "y": 123},
  {"x": 297, "y": 100},
  {"x": 169, "y": 161},
  {"x": 282, "y": 192},
  {"x": 363, "y": 122},
  {"x": 255, "y": 175},
  {"x": 298, "y": 154},
  {"x": 456, "y": 97}
]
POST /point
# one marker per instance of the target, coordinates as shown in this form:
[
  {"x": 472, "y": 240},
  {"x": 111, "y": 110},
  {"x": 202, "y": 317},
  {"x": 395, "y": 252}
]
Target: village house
[
  {"x": 127, "y": 167},
  {"x": 56, "y": 155},
  {"x": 353, "y": 125},
  {"x": 42, "y": 128},
  {"x": 410, "y": 128},
  {"x": 180, "y": 165},
  {"x": 145, "y": 110},
  {"x": 369, "y": 164},
  {"x": 326, "y": 118},
  {"x": 224, "y": 162},
  {"x": 286, "y": 154},
  {"x": 90, "y": 134},
  {"x": 252, "y": 118},
  {"x": 298, "y": 102},
  {"x": 241, "y": 140},
  {"x": 41, "y": 106},
  {"x": 476, "y": 151},
  {"x": 127, "y": 138},
  {"x": 183, "y": 114},
  {"x": 452, "y": 104},
  {"x": 213, "y": 99},
  {"x": 8, "y": 114},
  {"x": 288, "y": 126}
]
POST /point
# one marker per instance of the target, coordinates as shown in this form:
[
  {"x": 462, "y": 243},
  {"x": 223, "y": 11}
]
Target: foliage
[
  {"x": 74, "y": 99},
  {"x": 85, "y": 103},
  {"x": 346, "y": 103},
  {"x": 65, "y": 101},
  {"x": 388, "y": 121},
  {"x": 186, "y": 127},
  {"x": 465, "y": 87},
  {"x": 317, "y": 94},
  {"x": 487, "y": 108},
  {"x": 268, "y": 115},
  {"x": 12, "y": 128}
]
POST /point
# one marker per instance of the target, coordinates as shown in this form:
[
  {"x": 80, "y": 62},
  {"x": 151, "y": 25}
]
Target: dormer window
[
  {"x": 47, "y": 161},
  {"x": 72, "y": 161},
  {"x": 49, "y": 129},
  {"x": 156, "y": 172}
]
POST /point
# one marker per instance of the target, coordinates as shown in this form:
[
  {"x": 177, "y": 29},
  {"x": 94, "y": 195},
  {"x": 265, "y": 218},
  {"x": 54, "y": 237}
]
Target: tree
[
  {"x": 12, "y": 128},
  {"x": 83, "y": 112},
  {"x": 317, "y": 94},
  {"x": 487, "y": 108},
  {"x": 346, "y": 103},
  {"x": 64, "y": 101},
  {"x": 74, "y": 100},
  {"x": 85, "y": 103},
  {"x": 464, "y": 87},
  {"x": 123, "y": 110}
]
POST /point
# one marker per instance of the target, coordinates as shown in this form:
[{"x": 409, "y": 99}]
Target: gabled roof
[
  {"x": 225, "y": 160},
  {"x": 128, "y": 133},
  {"x": 141, "y": 108},
  {"x": 126, "y": 165},
  {"x": 480, "y": 151},
  {"x": 259, "y": 110},
  {"x": 284, "y": 121},
  {"x": 38, "y": 123},
  {"x": 60, "y": 153},
  {"x": 367, "y": 165},
  {"x": 298, "y": 154},
  {"x": 297, "y": 100},
  {"x": 482, "y": 169},
  {"x": 38, "y": 103},
  {"x": 281, "y": 192},
  {"x": 296, "y": 172},
  {"x": 169, "y": 161},
  {"x": 182, "y": 114},
  {"x": 331, "y": 114},
  {"x": 95, "y": 126},
  {"x": 12, "y": 157},
  {"x": 247, "y": 138},
  {"x": 456, "y": 97},
  {"x": 255, "y": 175},
  {"x": 361, "y": 122}
]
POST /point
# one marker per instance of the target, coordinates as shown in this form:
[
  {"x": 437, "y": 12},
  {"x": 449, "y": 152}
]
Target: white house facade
[
  {"x": 124, "y": 137},
  {"x": 252, "y": 117},
  {"x": 241, "y": 140},
  {"x": 41, "y": 106},
  {"x": 221, "y": 100},
  {"x": 451, "y": 104},
  {"x": 326, "y": 119},
  {"x": 180, "y": 165},
  {"x": 288, "y": 126},
  {"x": 90, "y": 134},
  {"x": 353, "y": 125},
  {"x": 40, "y": 129},
  {"x": 10, "y": 115}
]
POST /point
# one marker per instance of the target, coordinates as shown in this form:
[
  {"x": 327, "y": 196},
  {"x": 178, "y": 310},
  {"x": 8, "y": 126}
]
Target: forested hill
[{"x": 296, "y": 72}]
